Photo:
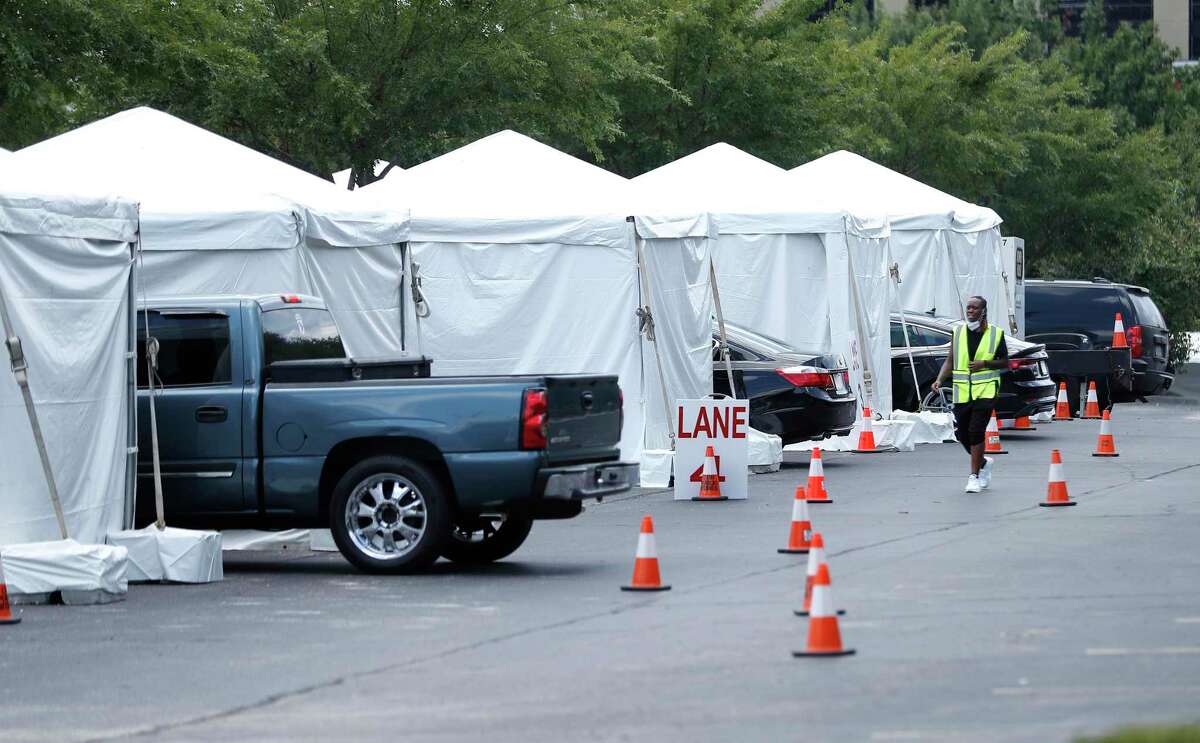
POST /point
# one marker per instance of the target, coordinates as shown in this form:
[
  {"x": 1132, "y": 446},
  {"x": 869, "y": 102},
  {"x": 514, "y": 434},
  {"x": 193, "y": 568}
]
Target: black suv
[{"x": 1069, "y": 315}]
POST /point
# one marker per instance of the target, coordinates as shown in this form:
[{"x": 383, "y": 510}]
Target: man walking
[{"x": 977, "y": 354}]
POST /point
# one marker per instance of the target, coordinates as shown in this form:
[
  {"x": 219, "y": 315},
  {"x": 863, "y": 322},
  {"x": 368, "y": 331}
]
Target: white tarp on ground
[
  {"x": 947, "y": 249},
  {"x": 176, "y": 555},
  {"x": 220, "y": 218},
  {"x": 65, "y": 273},
  {"x": 79, "y": 573},
  {"x": 801, "y": 270},
  {"x": 529, "y": 265}
]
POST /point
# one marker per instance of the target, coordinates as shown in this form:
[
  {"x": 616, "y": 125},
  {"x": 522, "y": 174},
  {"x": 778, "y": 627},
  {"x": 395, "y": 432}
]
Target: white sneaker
[
  {"x": 973, "y": 485},
  {"x": 985, "y": 473}
]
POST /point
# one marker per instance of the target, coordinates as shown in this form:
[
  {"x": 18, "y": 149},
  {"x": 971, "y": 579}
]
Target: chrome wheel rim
[{"x": 386, "y": 516}]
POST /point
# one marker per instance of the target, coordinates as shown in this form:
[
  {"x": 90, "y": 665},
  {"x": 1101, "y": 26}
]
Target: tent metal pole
[
  {"x": 160, "y": 518},
  {"x": 20, "y": 370},
  {"x": 716, "y": 292},
  {"x": 912, "y": 365},
  {"x": 131, "y": 458},
  {"x": 868, "y": 381},
  {"x": 647, "y": 315}
]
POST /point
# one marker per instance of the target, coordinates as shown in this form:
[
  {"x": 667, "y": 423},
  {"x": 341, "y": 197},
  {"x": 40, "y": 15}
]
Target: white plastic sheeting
[
  {"x": 218, "y": 217},
  {"x": 80, "y": 573},
  {"x": 765, "y": 453},
  {"x": 65, "y": 273},
  {"x": 947, "y": 249},
  {"x": 799, "y": 269},
  {"x": 176, "y": 555},
  {"x": 530, "y": 265}
]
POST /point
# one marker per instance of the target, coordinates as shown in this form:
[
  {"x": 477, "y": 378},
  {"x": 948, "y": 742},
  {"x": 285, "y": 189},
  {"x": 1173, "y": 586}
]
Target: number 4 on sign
[{"x": 696, "y": 475}]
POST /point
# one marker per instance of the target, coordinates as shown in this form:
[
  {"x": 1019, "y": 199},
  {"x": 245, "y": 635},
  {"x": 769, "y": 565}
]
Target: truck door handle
[{"x": 211, "y": 414}]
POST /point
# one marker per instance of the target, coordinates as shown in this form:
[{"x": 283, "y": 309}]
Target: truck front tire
[
  {"x": 482, "y": 540},
  {"x": 389, "y": 514}
]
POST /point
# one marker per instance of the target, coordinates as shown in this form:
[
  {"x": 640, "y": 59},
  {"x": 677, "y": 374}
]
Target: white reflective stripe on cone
[
  {"x": 799, "y": 510},
  {"x": 822, "y": 602},
  {"x": 816, "y": 556},
  {"x": 646, "y": 546},
  {"x": 710, "y": 466},
  {"x": 991, "y": 426},
  {"x": 1062, "y": 394},
  {"x": 1092, "y": 395},
  {"x": 816, "y": 468},
  {"x": 1119, "y": 327},
  {"x": 1104, "y": 427},
  {"x": 1056, "y": 473}
]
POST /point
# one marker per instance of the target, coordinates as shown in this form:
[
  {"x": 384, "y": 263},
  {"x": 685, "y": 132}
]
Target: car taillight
[
  {"x": 806, "y": 376},
  {"x": 1015, "y": 364},
  {"x": 533, "y": 419},
  {"x": 1134, "y": 336},
  {"x": 290, "y": 299}
]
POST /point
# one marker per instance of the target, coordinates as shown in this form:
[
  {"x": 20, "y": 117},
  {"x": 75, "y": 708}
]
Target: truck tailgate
[{"x": 584, "y": 417}]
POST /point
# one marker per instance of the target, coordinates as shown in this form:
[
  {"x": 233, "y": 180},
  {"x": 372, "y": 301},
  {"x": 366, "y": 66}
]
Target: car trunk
[{"x": 584, "y": 417}]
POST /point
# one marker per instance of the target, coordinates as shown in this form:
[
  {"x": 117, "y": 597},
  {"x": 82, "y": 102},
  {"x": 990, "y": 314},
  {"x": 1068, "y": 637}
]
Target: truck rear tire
[
  {"x": 483, "y": 540},
  {"x": 389, "y": 514}
]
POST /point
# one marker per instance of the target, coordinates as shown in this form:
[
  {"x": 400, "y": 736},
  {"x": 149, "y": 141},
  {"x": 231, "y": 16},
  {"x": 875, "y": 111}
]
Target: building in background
[{"x": 1176, "y": 21}]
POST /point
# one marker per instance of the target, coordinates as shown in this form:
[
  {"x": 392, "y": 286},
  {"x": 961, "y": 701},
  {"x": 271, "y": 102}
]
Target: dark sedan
[
  {"x": 1025, "y": 387},
  {"x": 795, "y": 395}
]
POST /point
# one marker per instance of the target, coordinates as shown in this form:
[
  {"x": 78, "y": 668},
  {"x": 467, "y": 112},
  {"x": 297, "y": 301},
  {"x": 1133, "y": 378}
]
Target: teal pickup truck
[{"x": 263, "y": 422}]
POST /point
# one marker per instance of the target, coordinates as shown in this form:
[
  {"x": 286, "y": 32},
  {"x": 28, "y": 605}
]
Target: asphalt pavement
[{"x": 975, "y": 617}]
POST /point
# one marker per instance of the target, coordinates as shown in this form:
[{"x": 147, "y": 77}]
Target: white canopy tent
[
  {"x": 529, "y": 260},
  {"x": 66, "y": 265},
  {"x": 799, "y": 269},
  {"x": 221, "y": 218},
  {"x": 946, "y": 249}
]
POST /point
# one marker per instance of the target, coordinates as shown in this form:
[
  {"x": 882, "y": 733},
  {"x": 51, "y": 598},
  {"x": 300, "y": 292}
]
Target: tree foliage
[{"x": 1089, "y": 147}]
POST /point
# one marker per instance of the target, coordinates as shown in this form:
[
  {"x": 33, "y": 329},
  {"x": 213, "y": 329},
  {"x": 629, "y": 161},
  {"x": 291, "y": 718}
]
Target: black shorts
[{"x": 971, "y": 420}]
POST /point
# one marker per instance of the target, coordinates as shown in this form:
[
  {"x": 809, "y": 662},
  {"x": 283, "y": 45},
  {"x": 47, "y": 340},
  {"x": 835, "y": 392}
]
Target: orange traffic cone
[
  {"x": 1062, "y": 408},
  {"x": 1091, "y": 410},
  {"x": 1022, "y": 424},
  {"x": 6, "y": 615},
  {"x": 866, "y": 437},
  {"x": 710, "y": 479},
  {"x": 645, "y": 564},
  {"x": 801, "y": 533},
  {"x": 1105, "y": 446},
  {"x": 816, "y": 558},
  {"x": 824, "y": 637},
  {"x": 1119, "y": 340},
  {"x": 1056, "y": 491},
  {"x": 816, "y": 479},
  {"x": 991, "y": 437}
]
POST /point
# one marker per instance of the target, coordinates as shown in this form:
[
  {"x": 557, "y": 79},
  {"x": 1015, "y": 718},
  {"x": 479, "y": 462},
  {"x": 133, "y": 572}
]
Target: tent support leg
[
  {"x": 716, "y": 292},
  {"x": 20, "y": 370},
  {"x": 648, "y": 317}
]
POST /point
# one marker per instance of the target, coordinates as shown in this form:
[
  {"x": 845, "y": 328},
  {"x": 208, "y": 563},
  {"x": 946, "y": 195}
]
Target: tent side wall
[{"x": 69, "y": 302}]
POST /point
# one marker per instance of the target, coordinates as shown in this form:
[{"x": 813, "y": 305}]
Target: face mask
[{"x": 973, "y": 325}]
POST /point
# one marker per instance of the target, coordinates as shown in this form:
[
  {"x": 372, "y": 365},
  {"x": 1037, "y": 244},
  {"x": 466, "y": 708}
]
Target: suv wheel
[
  {"x": 485, "y": 539},
  {"x": 389, "y": 514}
]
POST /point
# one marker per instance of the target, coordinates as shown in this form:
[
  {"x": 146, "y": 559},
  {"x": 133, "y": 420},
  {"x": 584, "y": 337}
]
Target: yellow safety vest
[{"x": 978, "y": 385}]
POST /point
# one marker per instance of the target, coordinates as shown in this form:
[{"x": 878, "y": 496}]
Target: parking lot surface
[{"x": 975, "y": 617}]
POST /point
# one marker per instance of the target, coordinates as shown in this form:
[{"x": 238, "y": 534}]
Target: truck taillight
[
  {"x": 534, "y": 423},
  {"x": 621, "y": 407},
  {"x": 1135, "y": 341},
  {"x": 806, "y": 376}
]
